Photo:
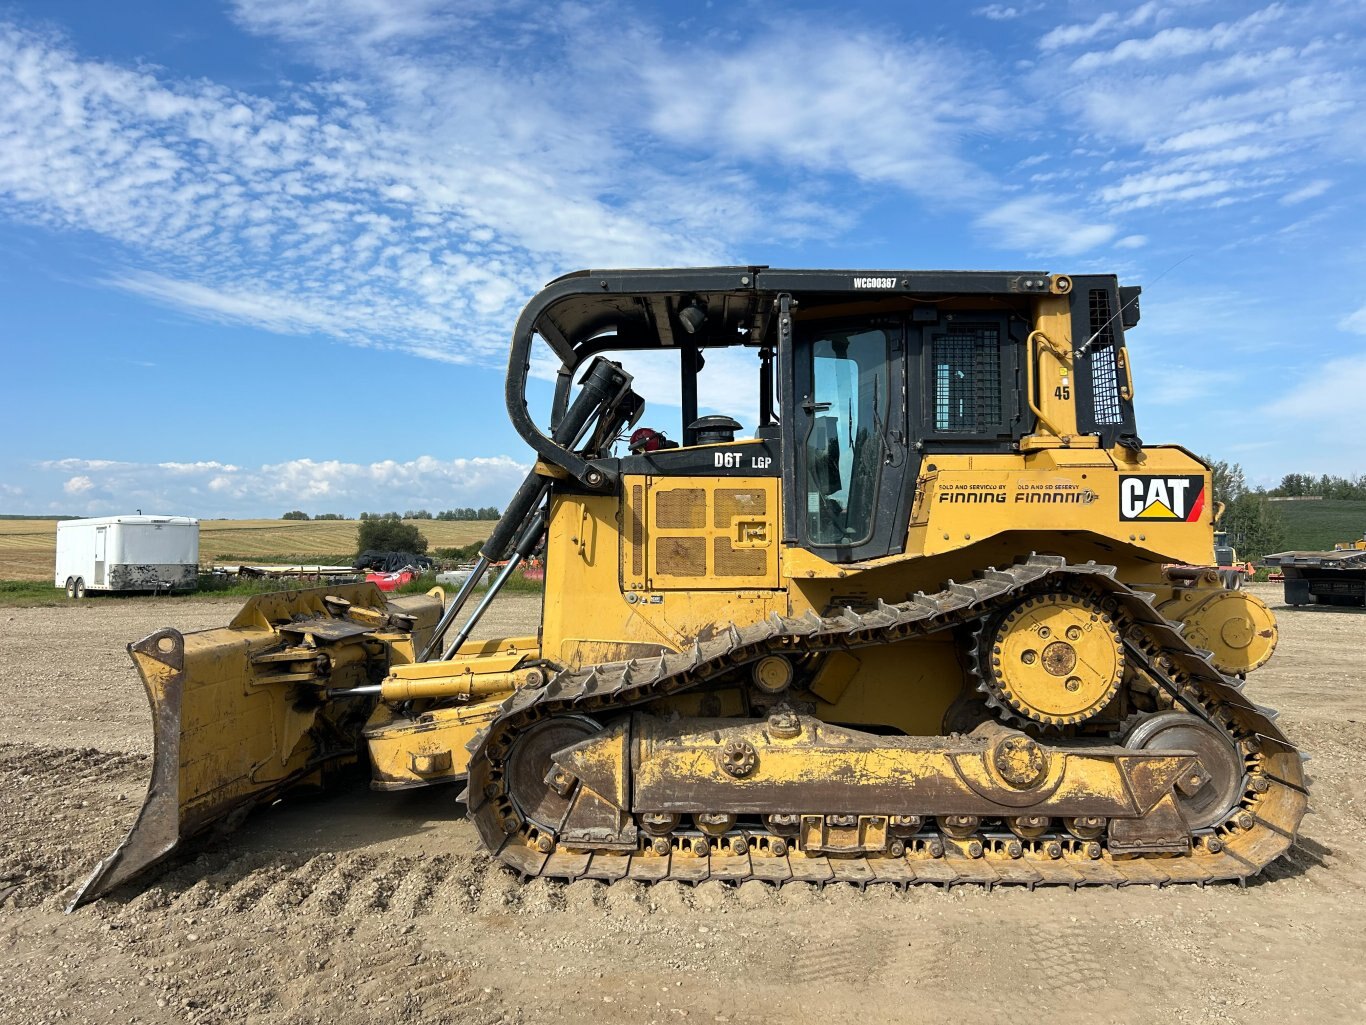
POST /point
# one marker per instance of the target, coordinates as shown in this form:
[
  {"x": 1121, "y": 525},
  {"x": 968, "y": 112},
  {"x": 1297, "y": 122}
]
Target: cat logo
[{"x": 1143, "y": 497}]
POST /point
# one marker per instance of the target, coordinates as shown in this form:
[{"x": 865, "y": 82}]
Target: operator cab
[
  {"x": 861, "y": 379},
  {"x": 879, "y": 390}
]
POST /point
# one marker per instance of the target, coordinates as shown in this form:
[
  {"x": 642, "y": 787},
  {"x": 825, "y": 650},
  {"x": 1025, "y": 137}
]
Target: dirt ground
[{"x": 369, "y": 907}]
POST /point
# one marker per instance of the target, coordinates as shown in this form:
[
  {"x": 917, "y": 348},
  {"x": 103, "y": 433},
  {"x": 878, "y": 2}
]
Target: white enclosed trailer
[{"x": 127, "y": 553}]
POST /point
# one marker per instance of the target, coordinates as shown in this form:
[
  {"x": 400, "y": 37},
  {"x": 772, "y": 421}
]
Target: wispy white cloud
[
  {"x": 73, "y": 464},
  {"x": 315, "y": 213},
  {"x": 283, "y": 314},
  {"x": 1354, "y": 322},
  {"x": 415, "y": 199},
  {"x": 1033, "y": 224},
  {"x": 1148, "y": 189},
  {"x": 1201, "y": 115},
  {"x": 367, "y": 22},
  {"x": 884, "y": 111},
  {"x": 1329, "y": 396},
  {"x": 1310, "y": 190},
  {"x": 1175, "y": 384},
  {"x": 1171, "y": 43},
  {"x": 212, "y": 488},
  {"x": 1110, "y": 22},
  {"x": 1003, "y": 12}
]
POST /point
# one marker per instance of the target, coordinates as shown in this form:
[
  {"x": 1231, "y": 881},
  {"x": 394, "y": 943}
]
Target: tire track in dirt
[{"x": 329, "y": 937}]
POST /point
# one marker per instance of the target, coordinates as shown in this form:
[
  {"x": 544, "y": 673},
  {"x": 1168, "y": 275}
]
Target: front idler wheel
[
  {"x": 543, "y": 799},
  {"x": 1212, "y": 791}
]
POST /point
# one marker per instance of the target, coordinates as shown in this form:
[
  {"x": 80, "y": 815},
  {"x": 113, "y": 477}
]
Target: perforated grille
[
  {"x": 738, "y": 562},
  {"x": 637, "y": 530},
  {"x": 736, "y": 502},
  {"x": 1104, "y": 369},
  {"x": 967, "y": 379},
  {"x": 681, "y": 556},
  {"x": 681, "y": 509}
]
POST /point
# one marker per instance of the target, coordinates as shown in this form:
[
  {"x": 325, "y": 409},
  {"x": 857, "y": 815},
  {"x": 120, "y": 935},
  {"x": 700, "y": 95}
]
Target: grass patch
[
  {"x": 212, "y": 583},
  {"x": 1317, "y": 526},
  {"x": 30, "y": 592}
]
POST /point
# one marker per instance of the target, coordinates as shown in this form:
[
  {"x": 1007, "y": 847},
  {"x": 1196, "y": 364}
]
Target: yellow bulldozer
[{"x": 942, "y": 618}]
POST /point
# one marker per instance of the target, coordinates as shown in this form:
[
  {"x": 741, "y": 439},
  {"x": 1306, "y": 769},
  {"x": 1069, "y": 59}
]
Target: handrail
[
  {"x": 1123, "y": 356},
  {"x": 1030, "y": 342}
]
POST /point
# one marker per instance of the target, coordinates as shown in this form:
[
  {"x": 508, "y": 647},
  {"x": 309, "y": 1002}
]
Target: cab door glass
[{"x": 844, "y": 444}]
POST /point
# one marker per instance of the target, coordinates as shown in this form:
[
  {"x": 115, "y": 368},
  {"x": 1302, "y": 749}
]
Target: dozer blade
[{"x": 244, "y": 712}]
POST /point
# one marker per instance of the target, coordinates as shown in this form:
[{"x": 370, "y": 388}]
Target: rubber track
[{"x": 1252, "y": 838}]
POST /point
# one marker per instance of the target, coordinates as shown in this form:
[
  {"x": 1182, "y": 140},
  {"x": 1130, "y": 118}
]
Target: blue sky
[{"x": 267, "y": 254}]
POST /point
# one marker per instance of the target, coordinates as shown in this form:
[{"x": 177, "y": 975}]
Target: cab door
[{"x": 855, "y": 476}]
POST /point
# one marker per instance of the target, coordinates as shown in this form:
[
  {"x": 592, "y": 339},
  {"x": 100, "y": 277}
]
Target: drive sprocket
[{"x": 1054, "y": 659}]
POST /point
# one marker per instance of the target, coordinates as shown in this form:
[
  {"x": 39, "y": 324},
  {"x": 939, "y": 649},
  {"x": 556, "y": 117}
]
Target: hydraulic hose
[{"x": 602, "y": 385}]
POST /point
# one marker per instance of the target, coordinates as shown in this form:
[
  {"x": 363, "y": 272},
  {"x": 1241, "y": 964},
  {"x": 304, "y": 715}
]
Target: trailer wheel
[
  {"x": 71, "y": 587},
  {"x": 80, "y": 588}
]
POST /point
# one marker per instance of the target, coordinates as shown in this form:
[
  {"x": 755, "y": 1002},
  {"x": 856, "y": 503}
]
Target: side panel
[
  {"x": 158, "y": 543},
  {"x": 152, "y": 556},
  {"x": 585, "y": 617},
  {"x": 614, "y": 566},
  {"x": 152, "y": 576},
  {"x": 702, "y": 533},
  {"x": 1160, "y": 505},
  {"x": 75, "y": 551},
  {"x": 909, "y": 686}
]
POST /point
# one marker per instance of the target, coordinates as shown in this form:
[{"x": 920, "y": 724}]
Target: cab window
[
  {"x": 849, "y": 410},
  {"x": 965, "y": 386}
]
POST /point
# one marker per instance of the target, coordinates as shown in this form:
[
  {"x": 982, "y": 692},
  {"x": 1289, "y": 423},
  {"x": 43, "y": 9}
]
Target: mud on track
[{"x": 358, "y": 906}]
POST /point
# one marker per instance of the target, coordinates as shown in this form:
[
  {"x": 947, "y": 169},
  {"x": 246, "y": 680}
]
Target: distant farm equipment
[
  {"x": 303, "y": 573},
  {"x": 391, "y": 570},
  {"x": 1234, "y": 572}
]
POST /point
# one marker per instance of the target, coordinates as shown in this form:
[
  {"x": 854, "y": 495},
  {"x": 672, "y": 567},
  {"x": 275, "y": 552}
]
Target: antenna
[{"x": 1086, "y": 346}]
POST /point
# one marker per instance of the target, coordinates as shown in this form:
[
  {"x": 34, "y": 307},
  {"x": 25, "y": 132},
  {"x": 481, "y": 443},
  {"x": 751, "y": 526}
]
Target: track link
[{"x": 1260, "y": 829}]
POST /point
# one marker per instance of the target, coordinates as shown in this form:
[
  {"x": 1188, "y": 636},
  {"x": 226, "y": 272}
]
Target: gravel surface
[{"x": 360, "y": 906}]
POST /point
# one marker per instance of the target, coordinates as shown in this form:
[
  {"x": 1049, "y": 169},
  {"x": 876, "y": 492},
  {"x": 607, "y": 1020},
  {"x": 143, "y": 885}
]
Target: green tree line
[
  {"x": 1255, "y": 526},
  {"x": 1306, "y": 485},
  {"x": 486, "y": 512}
]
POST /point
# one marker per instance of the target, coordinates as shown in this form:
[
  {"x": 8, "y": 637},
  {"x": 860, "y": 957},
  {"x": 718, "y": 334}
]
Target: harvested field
[
  {"x": 360, "y": 906},
  {"x": 27, "y": 547}
]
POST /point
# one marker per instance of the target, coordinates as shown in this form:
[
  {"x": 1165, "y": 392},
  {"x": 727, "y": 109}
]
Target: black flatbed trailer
[{"x": 1324, "y": 578}]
